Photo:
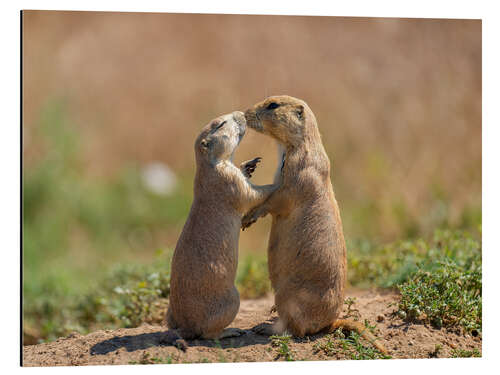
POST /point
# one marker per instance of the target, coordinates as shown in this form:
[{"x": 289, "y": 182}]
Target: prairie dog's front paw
[
  {"x": 247, "y": 221},
  {"x": 248, "y": 167},
  {"x": 251, "y": 217}
]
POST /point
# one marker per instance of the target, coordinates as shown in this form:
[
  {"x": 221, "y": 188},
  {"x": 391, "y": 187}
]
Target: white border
[{"x": 9, "y": 149}]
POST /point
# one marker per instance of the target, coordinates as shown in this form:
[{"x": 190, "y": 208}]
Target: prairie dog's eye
[
  {"x": 272, "y": 105},
  {"x": 220, "y": 125}
]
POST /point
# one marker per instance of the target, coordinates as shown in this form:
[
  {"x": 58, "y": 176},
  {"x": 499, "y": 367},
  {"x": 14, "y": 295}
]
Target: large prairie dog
[
  {"x": 306, "y": 251},
  {"x": 203, "y": 298}
]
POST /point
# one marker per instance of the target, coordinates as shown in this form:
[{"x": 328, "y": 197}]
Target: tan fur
[
  {"x": 203, "y": 298},
  {"x": 306, "y": 253},
  {"x": 361, "y": 329}
]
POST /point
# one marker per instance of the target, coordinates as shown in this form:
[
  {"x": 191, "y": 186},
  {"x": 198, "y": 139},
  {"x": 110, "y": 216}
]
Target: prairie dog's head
[
  {"x": 282, "y": 117},
  {"x": 218, "y": 140}
]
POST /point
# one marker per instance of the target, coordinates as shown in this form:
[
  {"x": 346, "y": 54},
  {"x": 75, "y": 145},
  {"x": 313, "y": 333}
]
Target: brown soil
[{"x": 143, "y": 344}]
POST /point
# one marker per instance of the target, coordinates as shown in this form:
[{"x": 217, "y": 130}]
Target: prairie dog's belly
[
  {"x": 305, "y": 241},
  {"x": 206, "y": 256}
]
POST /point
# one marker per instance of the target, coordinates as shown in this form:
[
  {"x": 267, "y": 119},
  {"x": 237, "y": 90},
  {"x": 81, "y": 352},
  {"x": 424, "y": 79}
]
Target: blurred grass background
[{"x": 108, "y": 95}]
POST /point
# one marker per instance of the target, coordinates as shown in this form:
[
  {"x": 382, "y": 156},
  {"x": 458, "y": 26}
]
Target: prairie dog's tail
[
  {"x": 171, "y": 337},
  {"x": 361, "y": 329}
]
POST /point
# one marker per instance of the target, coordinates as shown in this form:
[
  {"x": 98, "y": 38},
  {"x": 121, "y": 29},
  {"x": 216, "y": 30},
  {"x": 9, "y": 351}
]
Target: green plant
[
  {"x": 388, "y": 265},
  {"x": 220, "y": 352},
  {"x": 282, "y": 343},
  {"x": 124, "y": 296},
  {"x": 138, "y": 302},
  {"x": 330, "y": 347},
  {"x": 252, "y": 279},
  {"x": 351, "y": 346},
  {"x": 359, "y": 351},
  {"x": 463, "y": 353},
  {"x": 349, "y": 301},
  {"x": 449, "y": 295}
]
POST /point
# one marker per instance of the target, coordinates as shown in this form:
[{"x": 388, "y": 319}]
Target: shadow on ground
[{"x": 148, "y": 340}]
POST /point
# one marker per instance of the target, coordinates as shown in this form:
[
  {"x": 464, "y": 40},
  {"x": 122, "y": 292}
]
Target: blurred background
[{"x": 112, "y": 104}]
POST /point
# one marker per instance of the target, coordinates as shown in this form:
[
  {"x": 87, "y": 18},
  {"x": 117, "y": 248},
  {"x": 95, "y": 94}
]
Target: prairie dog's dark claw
[
  {"x": 250, "y": 218},
  {"x": 248, "y": 167},
  {"x": 246, "y": 224}
]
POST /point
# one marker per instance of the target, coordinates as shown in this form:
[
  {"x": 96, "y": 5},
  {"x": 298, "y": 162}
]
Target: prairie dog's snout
[
  {"x": 252, "y": 119},
  {"x": 240, "y": 120},
  {"x": 221, "y": 137}
]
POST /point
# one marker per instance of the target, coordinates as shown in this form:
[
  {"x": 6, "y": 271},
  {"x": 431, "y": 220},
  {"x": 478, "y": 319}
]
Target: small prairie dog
[{"x": 203, "y": 298}]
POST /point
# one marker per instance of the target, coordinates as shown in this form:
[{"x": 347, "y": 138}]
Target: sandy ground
[{"x": 144, "y": 345}]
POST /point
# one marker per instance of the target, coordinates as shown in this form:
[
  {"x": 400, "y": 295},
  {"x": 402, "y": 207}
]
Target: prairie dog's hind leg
[
  {"x": 171, "y": 323},
  {"x": 228, "y": 305}
]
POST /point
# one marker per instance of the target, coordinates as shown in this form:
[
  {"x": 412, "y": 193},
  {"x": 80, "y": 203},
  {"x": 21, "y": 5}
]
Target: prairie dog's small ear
[{"x": 300, "y": 111}]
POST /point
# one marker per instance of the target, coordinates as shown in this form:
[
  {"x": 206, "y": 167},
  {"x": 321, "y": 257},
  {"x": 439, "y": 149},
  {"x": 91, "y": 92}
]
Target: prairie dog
[
  {"x": 306, "y": 252},
  {"x": 203, "y": 298}
]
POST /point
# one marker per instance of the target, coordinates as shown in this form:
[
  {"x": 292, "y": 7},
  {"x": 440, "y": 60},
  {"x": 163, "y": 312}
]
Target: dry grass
[{"x": 398, "y": 100}]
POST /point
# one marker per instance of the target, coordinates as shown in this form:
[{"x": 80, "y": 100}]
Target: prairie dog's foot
[
  {"x": 248, "y": 167},
  {"x": 266, "y": 329},
  {"x": 231, "y": 332},
  {"x": 171, "y": 337}
]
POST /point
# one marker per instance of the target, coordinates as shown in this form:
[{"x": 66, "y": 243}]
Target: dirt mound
[{"x": 144, "y": 344}]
